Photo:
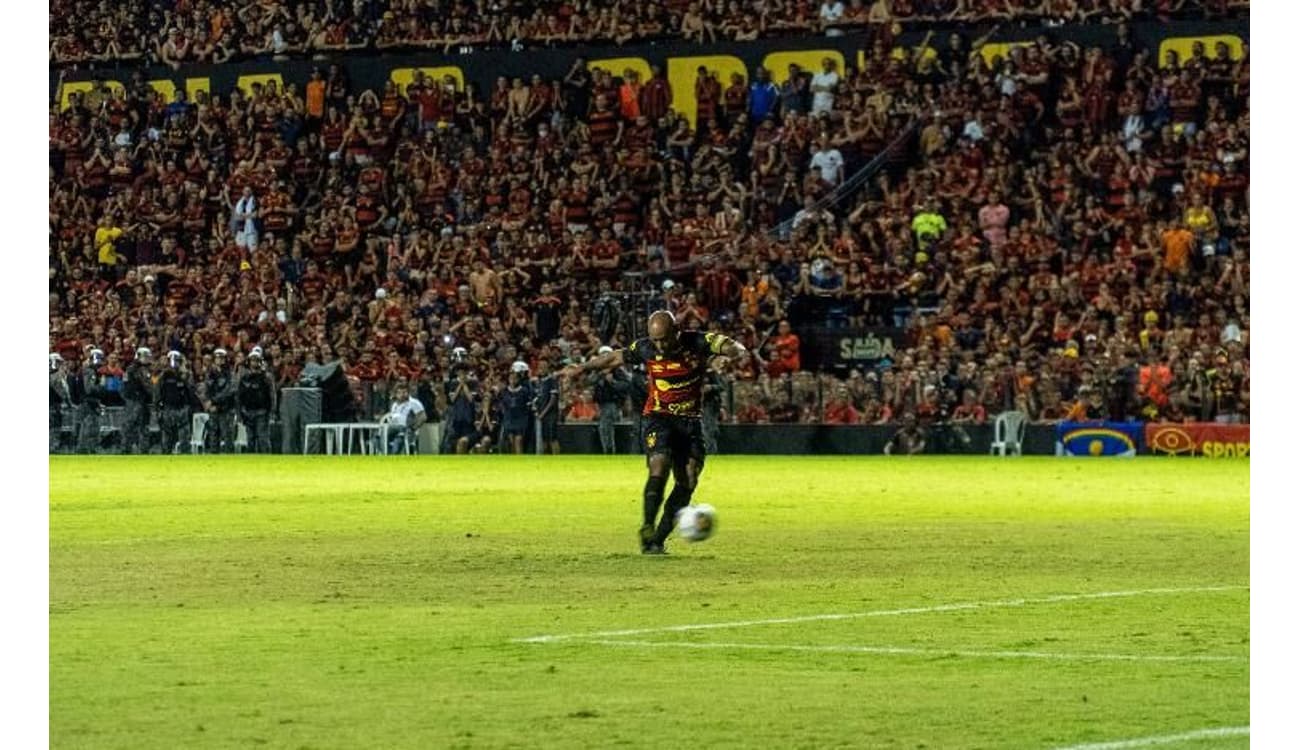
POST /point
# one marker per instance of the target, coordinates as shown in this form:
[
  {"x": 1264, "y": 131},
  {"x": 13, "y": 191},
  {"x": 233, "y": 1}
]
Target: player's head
[
  {"x": 663, "y": 331},
  {"x": 401, "y": 392}
]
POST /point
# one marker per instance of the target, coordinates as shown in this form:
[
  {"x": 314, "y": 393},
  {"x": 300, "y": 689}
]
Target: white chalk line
[
  {"x": 1164, "y": 739},
  {"x": 955, "y": 607},
  {"x": 909, "y": 651}
]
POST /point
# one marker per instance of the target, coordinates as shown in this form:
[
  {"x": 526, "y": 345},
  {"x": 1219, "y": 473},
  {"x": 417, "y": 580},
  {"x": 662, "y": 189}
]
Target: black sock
[
  {"x": 679, "y": 498},
  {"x": 654, "y": 497}
]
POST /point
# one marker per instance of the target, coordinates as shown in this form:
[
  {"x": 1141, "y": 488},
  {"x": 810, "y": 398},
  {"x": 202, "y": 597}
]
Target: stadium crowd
[
  {"x": 214, "y": 31},
  {"x": 1064, "y": 231}
]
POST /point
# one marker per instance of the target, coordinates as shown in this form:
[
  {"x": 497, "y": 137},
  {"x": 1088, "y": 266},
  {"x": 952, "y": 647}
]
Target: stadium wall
[{"x": 678, "y": 58}]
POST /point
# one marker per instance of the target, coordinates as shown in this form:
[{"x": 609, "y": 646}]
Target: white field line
[
  {"x": 907, "y": 651},
  {"x": 1164, "y": 739},
  {"x": 955, "y": 607}
]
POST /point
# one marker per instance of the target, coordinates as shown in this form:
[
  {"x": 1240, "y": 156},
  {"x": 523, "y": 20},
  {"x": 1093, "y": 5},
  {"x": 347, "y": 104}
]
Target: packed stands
[{"x": 1062, "y": 230}]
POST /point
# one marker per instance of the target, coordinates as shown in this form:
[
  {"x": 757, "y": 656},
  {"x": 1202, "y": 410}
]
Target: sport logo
[{"x": 1171, "y": 440}]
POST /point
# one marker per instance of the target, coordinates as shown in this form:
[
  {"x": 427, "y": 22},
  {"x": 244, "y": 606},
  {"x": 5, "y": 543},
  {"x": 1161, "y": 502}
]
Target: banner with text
[
  {"x": 1098, "y": 438},
  {"x": 842, "y": 348},
  {"x": 1199, "y": 439}
]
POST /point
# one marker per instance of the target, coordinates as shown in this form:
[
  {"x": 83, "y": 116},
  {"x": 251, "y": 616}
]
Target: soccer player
[{"x": 676, "y": 363}]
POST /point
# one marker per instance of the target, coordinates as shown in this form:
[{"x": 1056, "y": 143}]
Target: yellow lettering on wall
[
  {"x": 245, "y": 83},
  {"x": 616, "y": 66},
  {"x": 1182, "y": 45},
  {"x": 682, "y": 73},
  {"x": 166, "y": 88},
  {"x": 808, "y": 60},
  {"x": 81, "y": 87},
  {"x": 404, "y": 76},
  {"x": 999, "y": 49},
  {"x": 900, "y": 53},
  {"x": 194, "y": 85}
]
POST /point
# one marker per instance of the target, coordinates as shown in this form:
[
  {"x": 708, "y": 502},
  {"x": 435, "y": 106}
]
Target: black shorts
[
  {"x": 681, "y": 438},
  {"x": 550, "y": 429}
]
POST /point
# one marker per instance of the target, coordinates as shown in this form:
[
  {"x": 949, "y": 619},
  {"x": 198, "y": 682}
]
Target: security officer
[
  {"x": 137, "y": 392},
  {"x": 92, "y": 394},
  {"x": 609, "y": 388},
  {"x": 60, "y": 396},
  {"x": 175, "y": 399},
  {"x": 256, "y": 400},
  {"x": 222, "y": 388}
]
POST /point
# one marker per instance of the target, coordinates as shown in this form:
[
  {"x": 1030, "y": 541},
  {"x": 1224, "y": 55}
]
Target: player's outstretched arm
[
  {"x": 598, "y": 363},
  {"x": 726, "y": 346}
]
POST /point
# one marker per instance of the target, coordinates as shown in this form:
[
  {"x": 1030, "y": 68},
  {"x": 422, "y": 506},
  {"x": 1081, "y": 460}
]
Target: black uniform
[
  {"x": 91, "y": 392},
  {"x": 60, "y": 396},
  {"x": 256, "y": 400},
  {"x": 175, "y": 400},
  {"x": 137, "y": 392},
  {"x": 221, "y": 389},
  {"x": 608, "y": 392}
]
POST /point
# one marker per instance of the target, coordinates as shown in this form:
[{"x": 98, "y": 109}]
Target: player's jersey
[{"x": 674, "y": 382}]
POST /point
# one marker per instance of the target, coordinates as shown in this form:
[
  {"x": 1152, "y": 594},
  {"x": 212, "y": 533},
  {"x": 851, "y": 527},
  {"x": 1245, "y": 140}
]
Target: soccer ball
[{"x": 695, "y": 523}]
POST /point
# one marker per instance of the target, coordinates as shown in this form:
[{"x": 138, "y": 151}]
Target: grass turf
[{"x": 379, "y": 602}]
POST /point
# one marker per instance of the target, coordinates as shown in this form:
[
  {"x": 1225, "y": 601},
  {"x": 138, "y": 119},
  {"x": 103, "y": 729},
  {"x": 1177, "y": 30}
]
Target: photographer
[
  {"x": 910, "y": 439},
  {"x": 462, "y": 396},
  {"x": 934, "y": 413}
]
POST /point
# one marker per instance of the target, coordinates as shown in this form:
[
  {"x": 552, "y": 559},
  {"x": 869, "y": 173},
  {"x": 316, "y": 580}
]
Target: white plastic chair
[
  {"x": 198, "y": 431},
  {"x": 384, "y": 436},
  {"x": 1008, "y": 433}
]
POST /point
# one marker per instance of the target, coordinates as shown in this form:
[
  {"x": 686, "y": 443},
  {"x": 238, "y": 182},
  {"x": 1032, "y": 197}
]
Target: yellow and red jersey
[{"x": 675, "y": 381}]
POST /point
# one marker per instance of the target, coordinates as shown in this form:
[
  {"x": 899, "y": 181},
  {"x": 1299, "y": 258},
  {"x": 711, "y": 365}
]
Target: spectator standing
[
  {"x": 656, "y": 96},
  {"x": 823, "y": 87},
  {"x": 243, "y": 220},
  {"x": 830, "y": 161},
  {"x": 794, "y": 92},
  {"x": 784, "y": 351},
  {"x": 763, "y": 96}
]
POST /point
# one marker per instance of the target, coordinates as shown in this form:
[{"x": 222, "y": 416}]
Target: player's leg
[
  {"x": 658, "y": 462},
  {"x": 688, "y": 461}
]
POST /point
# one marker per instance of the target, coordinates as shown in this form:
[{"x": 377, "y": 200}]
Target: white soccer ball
[{"x": 695, "y": 523}]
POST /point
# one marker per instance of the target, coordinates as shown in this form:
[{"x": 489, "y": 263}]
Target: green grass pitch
[{"x": 367, "y": 602}]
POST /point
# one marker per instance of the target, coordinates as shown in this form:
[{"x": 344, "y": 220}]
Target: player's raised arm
[{"x": 598, "y": 363}]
